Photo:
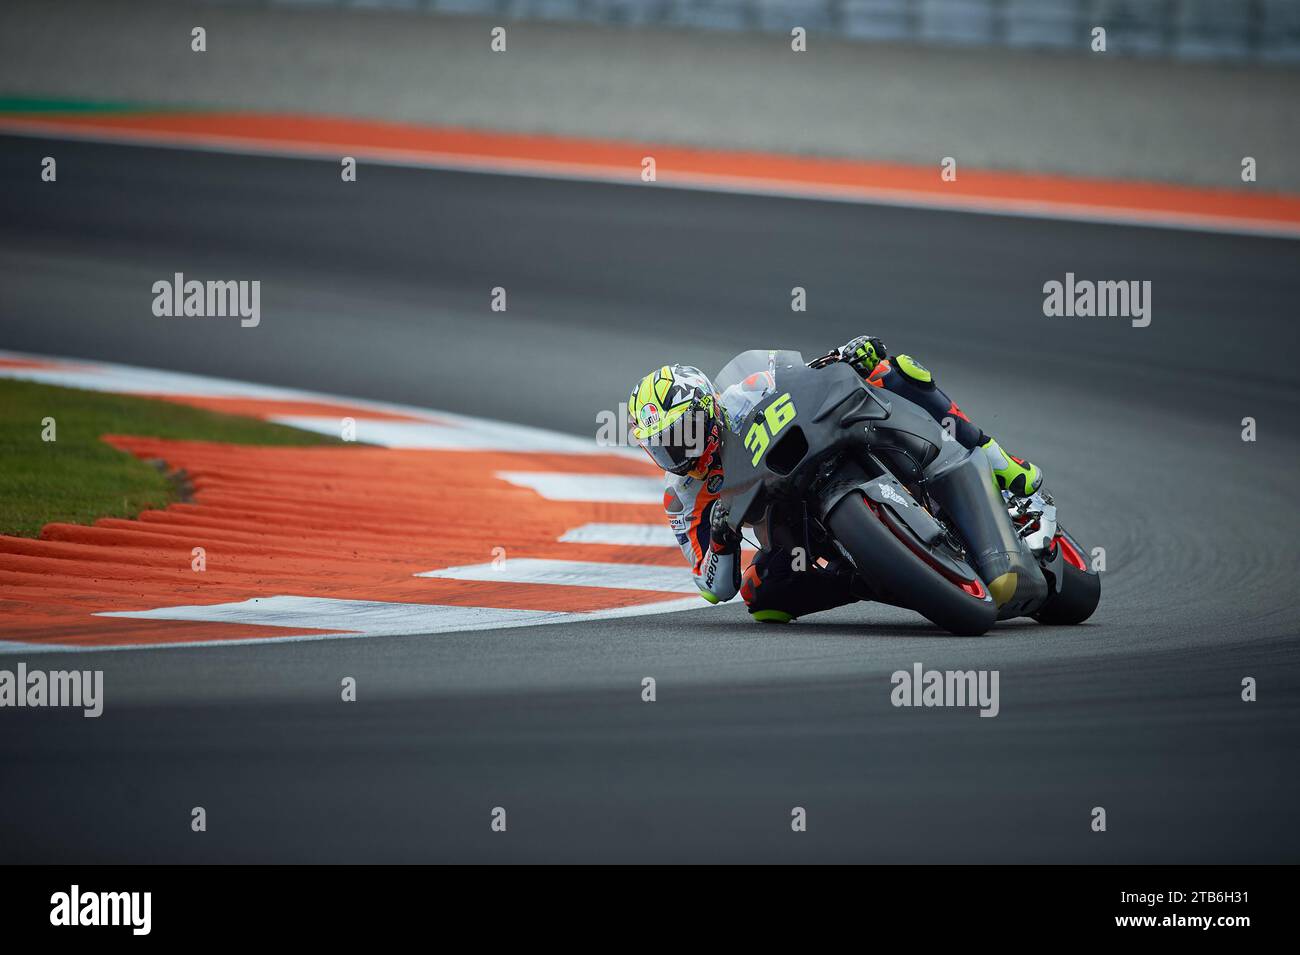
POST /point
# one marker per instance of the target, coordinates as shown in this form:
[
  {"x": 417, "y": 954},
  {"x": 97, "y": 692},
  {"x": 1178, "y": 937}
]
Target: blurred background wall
[
  {"x": 1027, "y": 106},
  {"x": 1244, "y": 30}
]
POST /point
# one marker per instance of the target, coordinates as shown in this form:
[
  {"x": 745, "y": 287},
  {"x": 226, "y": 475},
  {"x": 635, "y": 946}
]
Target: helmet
[{"x": 673, "y": 414}]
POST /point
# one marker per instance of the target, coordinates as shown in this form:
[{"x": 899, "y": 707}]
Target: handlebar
[{"x": 829, "y": 358}]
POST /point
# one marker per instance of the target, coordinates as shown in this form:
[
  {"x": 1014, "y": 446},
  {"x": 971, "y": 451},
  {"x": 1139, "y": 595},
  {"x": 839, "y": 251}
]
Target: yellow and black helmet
[{"x": 673, "y": 415}]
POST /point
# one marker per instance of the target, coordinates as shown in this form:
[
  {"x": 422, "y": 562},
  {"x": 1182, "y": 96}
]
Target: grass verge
[{"x": 78, "y": 478}]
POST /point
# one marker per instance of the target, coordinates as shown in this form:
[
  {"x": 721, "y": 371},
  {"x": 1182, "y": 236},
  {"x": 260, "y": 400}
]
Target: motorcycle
[{"x": 814, "y": 457}]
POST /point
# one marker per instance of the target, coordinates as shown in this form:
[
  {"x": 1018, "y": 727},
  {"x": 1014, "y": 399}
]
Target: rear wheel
[
  {"x": 1080, "y": 588},
  {"x": 895, "y": 565}
]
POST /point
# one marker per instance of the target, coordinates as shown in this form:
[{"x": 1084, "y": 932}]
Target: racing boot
[
  {"x": 778, "y": 589},
  {"x": 1012, "y": 474}
]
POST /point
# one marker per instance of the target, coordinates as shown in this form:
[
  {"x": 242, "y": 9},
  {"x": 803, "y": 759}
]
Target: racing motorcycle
[{"x": 868, "y": 481}]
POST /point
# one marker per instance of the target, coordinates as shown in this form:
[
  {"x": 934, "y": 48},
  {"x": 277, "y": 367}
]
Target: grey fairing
[
  {"x": 841, "y": 408},
  {"x": 889, "y": 421}
]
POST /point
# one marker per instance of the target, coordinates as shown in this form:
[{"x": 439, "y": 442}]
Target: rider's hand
[
  {"x": 722, "y": 539},
  {"x": 864, "y": 353}
]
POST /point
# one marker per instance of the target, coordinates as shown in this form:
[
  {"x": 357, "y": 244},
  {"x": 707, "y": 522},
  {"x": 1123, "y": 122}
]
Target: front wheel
[{"x": 895, "y": 566}]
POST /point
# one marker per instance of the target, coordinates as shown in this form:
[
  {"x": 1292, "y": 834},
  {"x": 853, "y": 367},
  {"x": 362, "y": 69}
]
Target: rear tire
[{"x": 884, "y": 562}]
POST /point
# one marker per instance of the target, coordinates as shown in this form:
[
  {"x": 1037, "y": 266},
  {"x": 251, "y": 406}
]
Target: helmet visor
[{"x": 684, "y": 441}]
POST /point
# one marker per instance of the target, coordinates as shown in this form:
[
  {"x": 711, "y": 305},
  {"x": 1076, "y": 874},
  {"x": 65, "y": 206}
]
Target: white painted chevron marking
[
  {"x": 576, "y": 573},
  {"x": 613, "y": 488},
  {"x": 632, "y": 535},
  {"x": 431, "y": 436},
  {"x": 376, "y": 618}
]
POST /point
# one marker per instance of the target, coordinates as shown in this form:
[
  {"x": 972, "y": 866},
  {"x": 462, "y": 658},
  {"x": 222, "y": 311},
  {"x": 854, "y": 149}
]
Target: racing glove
[
  {"x": 722, "y": 539},
  {"x": 864, "y": 353}
]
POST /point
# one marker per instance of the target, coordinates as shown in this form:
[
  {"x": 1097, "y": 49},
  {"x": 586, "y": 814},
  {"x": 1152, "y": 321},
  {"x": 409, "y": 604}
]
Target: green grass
[
  {"x": 53, "y": 104},
  {"x": 77, "y": 477}
]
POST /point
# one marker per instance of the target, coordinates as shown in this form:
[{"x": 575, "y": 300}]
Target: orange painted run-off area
[
  {"x": 980, "y": 189},
  {"x": 348, "y": 522}
]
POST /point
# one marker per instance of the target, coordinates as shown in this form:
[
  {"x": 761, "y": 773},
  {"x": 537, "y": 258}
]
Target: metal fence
[{"x": 1237, "y": 30}]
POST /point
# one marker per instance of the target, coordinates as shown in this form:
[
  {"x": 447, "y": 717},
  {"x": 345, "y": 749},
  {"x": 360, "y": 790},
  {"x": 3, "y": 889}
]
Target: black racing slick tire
[
  {"x": 890, "y": 566},
  {"x": 1080, "y": 588}
]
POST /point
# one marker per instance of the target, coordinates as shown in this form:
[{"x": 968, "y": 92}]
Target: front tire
[{"x": 886, "y": 563}]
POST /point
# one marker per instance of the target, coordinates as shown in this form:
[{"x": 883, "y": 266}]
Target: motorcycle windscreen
[
  {"x": 742, "y": 384},
  {"x": 750, "y": 377}
]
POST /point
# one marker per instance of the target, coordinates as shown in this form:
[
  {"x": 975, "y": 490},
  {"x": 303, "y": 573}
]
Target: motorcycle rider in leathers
[{"x": 772, "y": 586}]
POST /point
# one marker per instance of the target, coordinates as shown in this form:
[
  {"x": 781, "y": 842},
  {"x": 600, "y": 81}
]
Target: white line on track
[
  {"x": 371, "y": 618},
  {"x": 428, "y": 436},
  {"x": 575, "y": 573},
  {"x": 628, "y": 535},
  {"x": 437, "y": 430},
  {"x": 613, "y": 488}
]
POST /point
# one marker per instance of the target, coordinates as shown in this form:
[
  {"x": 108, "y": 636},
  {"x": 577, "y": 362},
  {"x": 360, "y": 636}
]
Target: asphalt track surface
[{"x": 380, "y": 289}]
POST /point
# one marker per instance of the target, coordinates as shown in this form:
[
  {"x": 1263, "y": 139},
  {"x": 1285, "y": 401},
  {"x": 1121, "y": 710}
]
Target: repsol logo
[{"x": 710, "y": 570}]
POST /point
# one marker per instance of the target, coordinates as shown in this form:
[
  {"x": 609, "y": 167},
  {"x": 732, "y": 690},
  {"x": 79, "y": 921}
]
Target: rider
[{"x": 671, "y": 396}]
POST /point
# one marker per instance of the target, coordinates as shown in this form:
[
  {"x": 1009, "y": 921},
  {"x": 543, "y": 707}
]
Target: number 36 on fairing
[{"x": 778, "y": 414}]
